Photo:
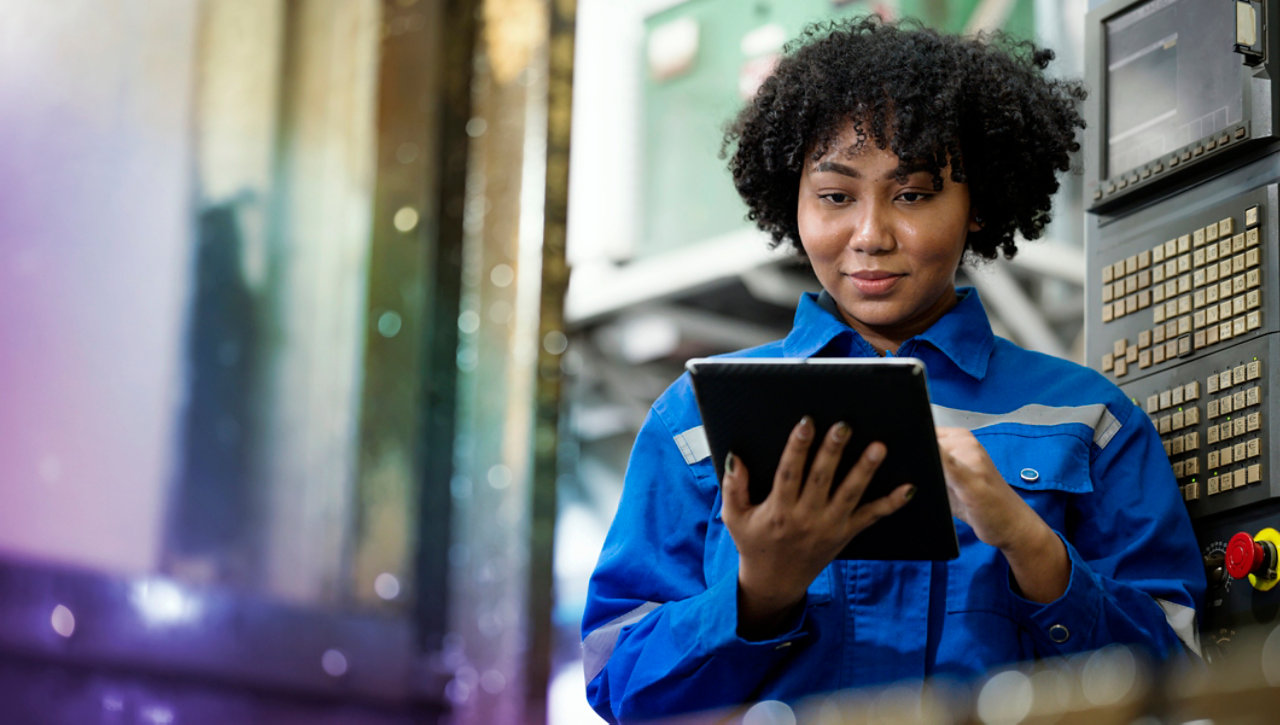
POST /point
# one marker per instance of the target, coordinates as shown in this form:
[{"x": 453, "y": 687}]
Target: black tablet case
[{"x": 749, "y": 406}]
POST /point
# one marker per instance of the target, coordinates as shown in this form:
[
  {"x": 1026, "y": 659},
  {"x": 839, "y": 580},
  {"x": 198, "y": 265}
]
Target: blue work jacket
[{"x": 660, "y": 626}]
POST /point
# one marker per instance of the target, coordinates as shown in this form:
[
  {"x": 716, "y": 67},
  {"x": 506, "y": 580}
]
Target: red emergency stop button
[
  {"x": 1255, "y": 557},
  {"x": 1244, "y": 556}
]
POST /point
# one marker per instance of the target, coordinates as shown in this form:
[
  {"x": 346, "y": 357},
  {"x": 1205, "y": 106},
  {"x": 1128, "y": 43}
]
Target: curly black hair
[{"x": 981, "y": 104}]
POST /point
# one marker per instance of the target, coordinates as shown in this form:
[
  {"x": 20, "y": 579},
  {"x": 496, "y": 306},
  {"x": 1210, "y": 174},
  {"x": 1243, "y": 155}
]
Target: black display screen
[{"x": 1172, "y": 79}]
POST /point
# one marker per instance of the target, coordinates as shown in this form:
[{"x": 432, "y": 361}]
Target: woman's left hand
[{"x": 981, "y": 498}]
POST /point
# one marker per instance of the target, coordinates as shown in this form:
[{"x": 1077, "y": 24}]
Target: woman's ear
[{"x": 975, "y": 221}]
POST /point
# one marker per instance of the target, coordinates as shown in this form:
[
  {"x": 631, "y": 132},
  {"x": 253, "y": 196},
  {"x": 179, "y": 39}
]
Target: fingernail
[
  {"x": 840, "y": 431},
  {"x": 875, "y": 452},
  {"x": 728, "y": 464},
  {"x": 909, "y": 493},
  {"x": 804, "y": 429}
]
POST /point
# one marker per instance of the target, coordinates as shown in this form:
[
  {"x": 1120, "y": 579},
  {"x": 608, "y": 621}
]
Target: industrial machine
[{"x": 1183, "y": 302}]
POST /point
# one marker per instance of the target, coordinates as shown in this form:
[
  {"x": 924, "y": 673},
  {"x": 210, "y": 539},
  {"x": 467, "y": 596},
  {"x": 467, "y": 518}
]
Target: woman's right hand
[{"x": 788, "y": 539}]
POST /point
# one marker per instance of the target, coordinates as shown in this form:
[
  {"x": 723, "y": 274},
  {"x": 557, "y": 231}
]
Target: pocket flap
[{"x": 1050, "y": 462}]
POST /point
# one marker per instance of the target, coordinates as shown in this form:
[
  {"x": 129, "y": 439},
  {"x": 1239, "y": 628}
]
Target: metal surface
[{"x": 58, "y": 623}]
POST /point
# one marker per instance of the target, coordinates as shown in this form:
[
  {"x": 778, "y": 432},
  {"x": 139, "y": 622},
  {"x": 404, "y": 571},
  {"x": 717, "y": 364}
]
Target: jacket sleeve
[
  {"x": 659, "y": 639},
  {"x": 1136, "y": 571}
]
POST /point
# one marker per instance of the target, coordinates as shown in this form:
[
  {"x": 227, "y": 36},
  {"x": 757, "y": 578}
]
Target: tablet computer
[{"x": 750, "y": 405}]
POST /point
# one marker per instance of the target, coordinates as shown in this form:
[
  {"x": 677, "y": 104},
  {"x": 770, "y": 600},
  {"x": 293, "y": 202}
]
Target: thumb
[{"x": 736, "y": 498}]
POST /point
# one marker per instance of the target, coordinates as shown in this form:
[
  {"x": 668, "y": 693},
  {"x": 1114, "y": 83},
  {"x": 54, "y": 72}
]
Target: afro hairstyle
[{"x": 981, "y": 104}]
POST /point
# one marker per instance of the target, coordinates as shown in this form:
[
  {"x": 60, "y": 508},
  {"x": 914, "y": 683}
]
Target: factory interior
[{"x": 329, "y": 325}]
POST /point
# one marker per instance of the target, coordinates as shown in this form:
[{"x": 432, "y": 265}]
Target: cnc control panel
[{"x": 1182, "y": 296}]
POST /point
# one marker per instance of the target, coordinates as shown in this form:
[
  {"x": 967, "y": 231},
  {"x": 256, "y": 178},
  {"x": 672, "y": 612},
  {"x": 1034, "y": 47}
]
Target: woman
[{"x": 885, "y": 154}]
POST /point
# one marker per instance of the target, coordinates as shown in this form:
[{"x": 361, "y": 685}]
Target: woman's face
[{"x": 886, "y": 251}]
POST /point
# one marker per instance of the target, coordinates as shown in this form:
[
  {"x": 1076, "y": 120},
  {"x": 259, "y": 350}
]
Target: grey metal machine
[{"x": 1183, "y": 302}]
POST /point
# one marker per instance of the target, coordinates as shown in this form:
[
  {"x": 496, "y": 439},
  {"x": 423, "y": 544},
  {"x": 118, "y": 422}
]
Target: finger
[
  {"x": 786, "y": 482},
  {"x": 735, "y": 494},
  {"x": 856, "y": 480},
  {"x": 872, "y": 512},
  {"x": 817, "y": 487}
]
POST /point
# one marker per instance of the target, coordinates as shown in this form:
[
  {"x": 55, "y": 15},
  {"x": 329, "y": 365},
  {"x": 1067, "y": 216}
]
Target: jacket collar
[{"x": 963, "y": 334}]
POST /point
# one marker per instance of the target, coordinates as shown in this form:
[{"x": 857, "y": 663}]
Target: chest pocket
[{"x": 1048, "y": 470}]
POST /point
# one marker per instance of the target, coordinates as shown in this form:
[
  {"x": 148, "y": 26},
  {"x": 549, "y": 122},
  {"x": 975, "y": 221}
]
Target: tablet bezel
[{"x": 749, "y": 405}]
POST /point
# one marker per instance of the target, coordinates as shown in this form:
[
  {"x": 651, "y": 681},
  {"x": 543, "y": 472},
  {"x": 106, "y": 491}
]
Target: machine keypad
[{"x": 1203, "y": 289}]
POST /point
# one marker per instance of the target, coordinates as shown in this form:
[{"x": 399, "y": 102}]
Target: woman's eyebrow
[{"x": 893, "y": 174}]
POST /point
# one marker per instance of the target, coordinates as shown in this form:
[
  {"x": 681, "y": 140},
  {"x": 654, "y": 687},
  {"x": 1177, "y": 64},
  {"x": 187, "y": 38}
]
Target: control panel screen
[{"x": 1172, "y": 79}]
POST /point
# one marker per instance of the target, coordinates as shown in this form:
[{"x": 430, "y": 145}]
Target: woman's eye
[
  {"x": 836, "y": 198},
  {"x": 912, "y": 196}
]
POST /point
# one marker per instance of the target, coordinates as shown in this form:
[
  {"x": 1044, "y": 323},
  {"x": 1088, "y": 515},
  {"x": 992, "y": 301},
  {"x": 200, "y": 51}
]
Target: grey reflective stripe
[
  {"x": 693, "y": 444},
  {"x": 1095, "y": 416},
  {"x": 1182, "y": 620},
  {"x": 598, "y": 645}
]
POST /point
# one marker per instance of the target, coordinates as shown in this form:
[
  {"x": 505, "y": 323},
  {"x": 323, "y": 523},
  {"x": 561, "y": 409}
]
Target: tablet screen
[{"x": 750, "y": 405}]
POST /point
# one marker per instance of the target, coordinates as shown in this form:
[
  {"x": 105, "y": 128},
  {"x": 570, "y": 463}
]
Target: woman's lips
[{"x": 874, "y": 283}]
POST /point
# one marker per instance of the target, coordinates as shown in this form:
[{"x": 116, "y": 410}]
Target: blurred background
[{"x": 327, "y": 326}]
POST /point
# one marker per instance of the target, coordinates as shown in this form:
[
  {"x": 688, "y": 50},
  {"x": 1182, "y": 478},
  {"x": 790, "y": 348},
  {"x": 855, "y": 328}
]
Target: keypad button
[
  {"x": 1226, "y": 226},
  {"x": 1251, "y": 216},
  {"x": 1252, "y": 396},
  {"x": 1199, "y": 237},
  {"x": 1213, "y": 409},
  {"x": 1252, "y": 238},
  {"x": 1191, "y": 391},
  {"x": 1153, "y": 403},
  {"x": 1254, "y": 473},
  {"x": 1213, "y": 485},
  {"x": 1211, "y": 458},
  {"x": 1253, "y": 422},
  {"x": 1191, "y": 416},
  {"x": 1226, "y": 456},
  {"x": 1108, "y": 362},
  {"x": 1192, "y": 442},
  {"x": 1254, "y": 320},
  {"x": 1211, "y": 436},
  {"x": 1241, "y": 479},
  {"x": 1253, "y": 448},
  {"x": 1253, "y": 370},
  {"x": 1238, "y": 426}
]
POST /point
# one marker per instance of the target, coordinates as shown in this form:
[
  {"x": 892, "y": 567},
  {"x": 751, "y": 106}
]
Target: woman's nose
[{"x": 872, "y": 233}]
